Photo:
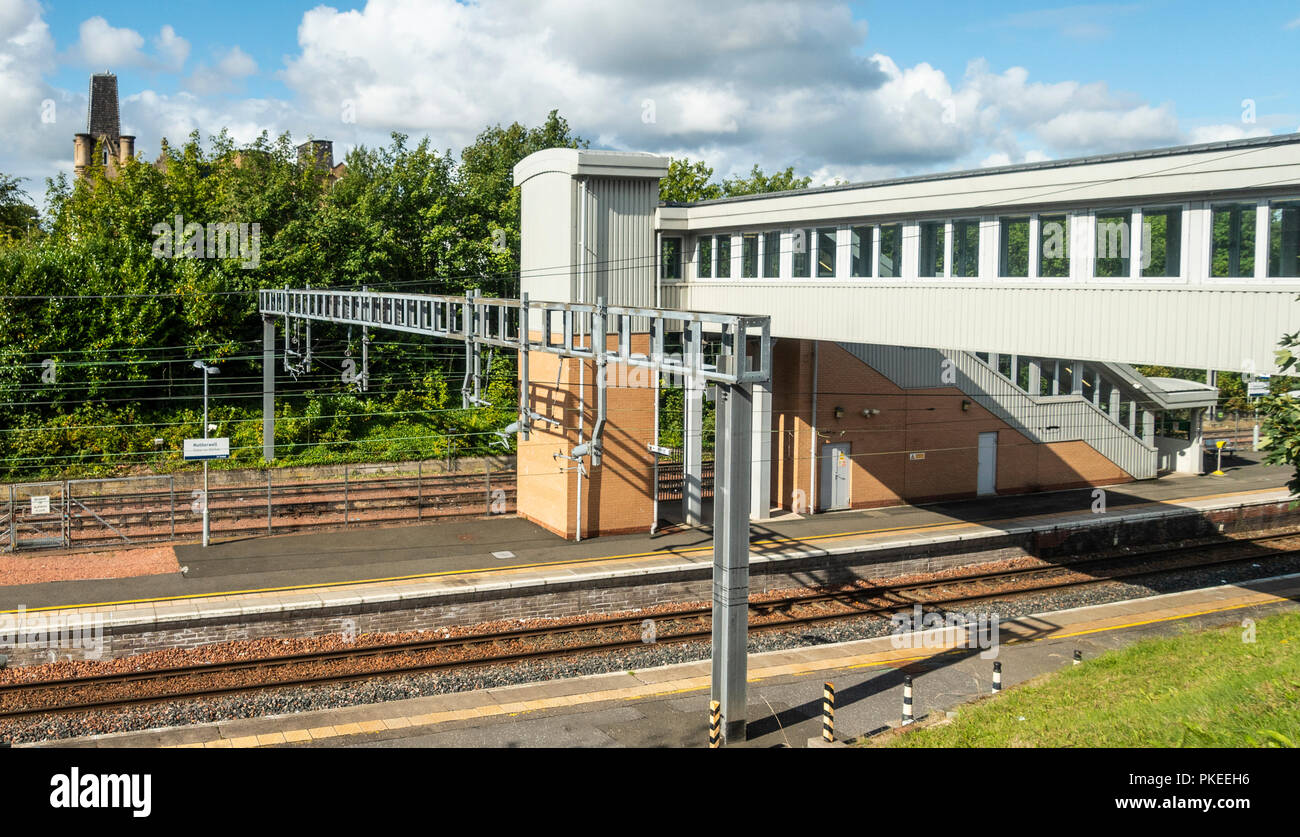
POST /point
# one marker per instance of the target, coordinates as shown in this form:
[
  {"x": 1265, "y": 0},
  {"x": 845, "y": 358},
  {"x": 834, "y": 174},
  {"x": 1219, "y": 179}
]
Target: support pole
[
  {"x": 693, "y": 429},
  {"x": 731, "y": 555},
  {"x": 268, "y": 388},
  {"x": 599, "y": 324},
  {"x": 206, "y": 531},
  {"x": 525, "y": 402},
  {"x": 760, "y": 506},
  {"x": 693, "y": 454}
]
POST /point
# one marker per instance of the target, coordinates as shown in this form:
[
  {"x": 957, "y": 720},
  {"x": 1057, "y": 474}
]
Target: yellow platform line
[
  {"x": 688, "y": 685},
  {"x": 664, "y": 553}
]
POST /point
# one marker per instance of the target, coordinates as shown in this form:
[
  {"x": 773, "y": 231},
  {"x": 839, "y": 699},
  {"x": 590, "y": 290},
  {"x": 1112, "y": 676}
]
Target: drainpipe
[{"x": 812, "y": 467}]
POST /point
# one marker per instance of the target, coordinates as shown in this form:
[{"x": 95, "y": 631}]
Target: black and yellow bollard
[
  {"x": 828, "y": 712},
  {"x": 715, "y": 725}
]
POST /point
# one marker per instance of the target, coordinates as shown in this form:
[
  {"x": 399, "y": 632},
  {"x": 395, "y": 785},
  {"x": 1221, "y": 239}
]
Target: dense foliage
[
  {"x": 103, "y": 312},
  {"x": 108, "y": 301}
]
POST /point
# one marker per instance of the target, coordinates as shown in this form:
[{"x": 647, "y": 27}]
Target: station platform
[
  {"x": 666, "y": 706},
  {"x": 372, "y": 570}
]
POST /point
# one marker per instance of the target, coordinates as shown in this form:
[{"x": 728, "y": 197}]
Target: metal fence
[
  {"x": 152, "y": 509},
  {"x": 671, "y": 477}
]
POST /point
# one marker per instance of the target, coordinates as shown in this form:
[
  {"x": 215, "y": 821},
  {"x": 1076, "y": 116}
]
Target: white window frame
[
  {"x": 915, "y": 274},
  {"x": 1207, "y": 243},
  {"x": 1036, "y": 245},
  {"x": 1264, "y": 212},
  {"x": 1184, "y": 232},
  {"x": 979, "y": 263},
  {"x": 1135, "y": 218},
  {"x": 1030, "y": 268}
]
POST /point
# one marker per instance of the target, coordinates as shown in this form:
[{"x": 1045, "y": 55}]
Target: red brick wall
[
  {"x": 919, "y": 421},
  {"x": 617, "y": 497}
]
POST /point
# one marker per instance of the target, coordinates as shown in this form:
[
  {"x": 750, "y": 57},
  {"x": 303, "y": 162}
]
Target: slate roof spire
[{"x": 102, "y": 116}]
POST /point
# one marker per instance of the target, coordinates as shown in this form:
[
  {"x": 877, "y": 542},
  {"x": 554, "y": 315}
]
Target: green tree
[
  {"x": 759, "y": 183},
  {"x": 688, "y": 182},
  {"x": 17, "y": 216}
]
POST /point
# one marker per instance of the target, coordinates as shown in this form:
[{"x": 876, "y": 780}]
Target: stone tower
[{"x": 103, "y": 125}]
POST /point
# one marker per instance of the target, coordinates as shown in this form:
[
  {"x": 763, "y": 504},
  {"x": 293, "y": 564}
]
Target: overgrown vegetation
[{"x": 101, "y": 325}]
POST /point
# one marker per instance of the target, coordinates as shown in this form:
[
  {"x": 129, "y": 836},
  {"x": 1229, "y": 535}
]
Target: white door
[
  {"x": 833, "y": 488},
  {"x": 988, "y": 464}
]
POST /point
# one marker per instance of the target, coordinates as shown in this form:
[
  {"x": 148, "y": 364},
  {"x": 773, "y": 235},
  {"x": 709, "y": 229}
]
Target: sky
[{"x": 841, "y": 91}]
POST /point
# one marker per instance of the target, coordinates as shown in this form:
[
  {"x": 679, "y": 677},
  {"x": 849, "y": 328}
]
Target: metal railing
[{"x": 153, "y": 509}]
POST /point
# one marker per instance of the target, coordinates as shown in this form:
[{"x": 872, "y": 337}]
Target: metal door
[
  {"x": 37, "y": 515},
  {"x": 833, "y": 488},
  {"x": 988, "y": 464}
]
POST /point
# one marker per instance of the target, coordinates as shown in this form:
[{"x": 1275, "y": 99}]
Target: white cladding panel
[
  {"x": 1195, "y": 327},
  {"x": 621, "y": 236},
  {"x": 548, "y": 226},
  {"x": 1117, "y": 182}
]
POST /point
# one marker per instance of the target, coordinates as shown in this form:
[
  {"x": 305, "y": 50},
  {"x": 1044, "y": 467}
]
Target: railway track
[
  {"x": 122, "y": 690},
  {"x": 163, "y": 515}
]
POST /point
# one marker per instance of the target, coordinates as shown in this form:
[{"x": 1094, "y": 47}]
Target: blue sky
[{"x": 839, "y": 90}]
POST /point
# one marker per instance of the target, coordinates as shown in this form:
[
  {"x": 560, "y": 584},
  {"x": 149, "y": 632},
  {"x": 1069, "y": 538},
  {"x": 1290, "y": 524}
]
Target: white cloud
[
  {"x": 778, "y": 83},
  {"x": 105, "y": 47},
  {"x": 237, "y": 63},
  {"x": 172, "y": 49},
  {"x": 1295, "y": 24},
  {"x": 1221, "y": 133},
  {"x": 35, "y": 118},
  {"x": 1081, "y": 22},
  {"x": 232, "y": 67}
]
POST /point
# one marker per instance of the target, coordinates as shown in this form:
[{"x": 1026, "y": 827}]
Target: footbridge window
[
  {"x": 826, "y": 243},
  {"x": 1162, "y": 242},
  {"x": 966, "y": 248},
  {"x": 749, "y": 256},
  {"x": 801, "y": 253},
  {"x": 860, "y": 242},
  {"x": 1284, "y": 238},
  {"x": 1113, "y": 244},
  {"x": 890, "y": 264},
  {"x": 934, "y": 243},
  {"x": 722, "y": 243},
  {"x": 1013, "y": 247},
  {"x": 1054, "y": 246},
  {"x": 1232, "y": 240},
  {"x": 670, "y": 256},
  {"x": 704, "y": 250},
  {"x": 771, "y": 255}
]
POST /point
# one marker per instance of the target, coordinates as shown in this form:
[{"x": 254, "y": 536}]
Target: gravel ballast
[{"x": 291, "y": 700}]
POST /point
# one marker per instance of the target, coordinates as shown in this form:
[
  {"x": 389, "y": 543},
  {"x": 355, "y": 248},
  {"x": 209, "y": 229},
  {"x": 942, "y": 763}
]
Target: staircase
[{"x": 1066, "y": 417}]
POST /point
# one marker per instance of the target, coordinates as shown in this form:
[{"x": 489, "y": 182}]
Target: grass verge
[{"x": 1206, "y": 688}]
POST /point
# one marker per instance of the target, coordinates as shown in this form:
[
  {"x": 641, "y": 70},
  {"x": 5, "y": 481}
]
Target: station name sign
[{"x": 207, "y": 448}]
